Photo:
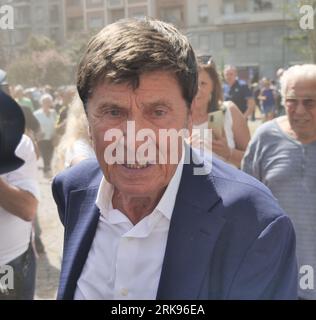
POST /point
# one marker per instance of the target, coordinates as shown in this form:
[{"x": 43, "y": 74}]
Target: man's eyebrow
[
  {"x": 109, "y": 105},
  {"x": 157, "y": 103},
  {"x": 306, "y": 96}
]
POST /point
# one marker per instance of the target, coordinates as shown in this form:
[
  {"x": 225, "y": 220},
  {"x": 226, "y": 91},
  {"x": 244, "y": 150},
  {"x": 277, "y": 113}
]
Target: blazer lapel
[
  {"x": 194, "y": 228},
  {"x": 80, "y": 230}
]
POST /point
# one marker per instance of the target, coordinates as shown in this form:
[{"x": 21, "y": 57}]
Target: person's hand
[
  {"x": 2, "y": 183},
  {"x": 220, "y": 146},
  {"x": 197, "y": 142}
]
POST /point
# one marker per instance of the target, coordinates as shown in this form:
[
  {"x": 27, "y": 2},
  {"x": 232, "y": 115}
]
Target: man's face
[
  {"x": 156, "y": 104},
  {"x": 230, "y": 75},
  {"x": 300, "y": 105},
  {"x": 47, "y": 103}
]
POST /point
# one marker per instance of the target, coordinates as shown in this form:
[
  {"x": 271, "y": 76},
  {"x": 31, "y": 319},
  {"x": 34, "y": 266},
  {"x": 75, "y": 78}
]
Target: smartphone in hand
[{"x": 216, "y": 122}]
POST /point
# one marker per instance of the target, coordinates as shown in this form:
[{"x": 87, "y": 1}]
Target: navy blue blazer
[{"x": 228, "y": 237}]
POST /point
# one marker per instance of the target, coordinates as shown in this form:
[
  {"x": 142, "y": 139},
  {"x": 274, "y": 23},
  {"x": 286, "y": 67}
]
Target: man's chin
[{"x": 137, "y": 190}]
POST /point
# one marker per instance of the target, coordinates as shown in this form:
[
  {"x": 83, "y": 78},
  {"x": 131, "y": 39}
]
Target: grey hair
[
  {"x": 305, "y": 71},
  {"x": 45, "y": 96}
]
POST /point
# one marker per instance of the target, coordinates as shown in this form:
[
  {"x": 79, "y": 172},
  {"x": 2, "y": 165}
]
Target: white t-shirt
[
  {"x": 15, "y": 233},
  {"x": 47, "y": 123}
]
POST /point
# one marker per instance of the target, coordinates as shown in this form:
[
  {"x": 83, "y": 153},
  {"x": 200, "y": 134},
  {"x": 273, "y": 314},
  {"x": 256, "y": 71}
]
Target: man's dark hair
[{"x": 123, "y": 51}]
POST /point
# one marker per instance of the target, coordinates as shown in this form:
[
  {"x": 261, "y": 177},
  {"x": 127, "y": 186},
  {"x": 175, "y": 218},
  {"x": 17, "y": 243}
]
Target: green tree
[
  {"x": 24, "y": 71},
  {"x": 304, "y": 38},
  {"x": 39, "y": 43},
  {"x": 40, "y": 64}
]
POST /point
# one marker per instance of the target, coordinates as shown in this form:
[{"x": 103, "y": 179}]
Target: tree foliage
[
  {"x": 40, "y": 64},
  {"x": 305, "y": 38}
]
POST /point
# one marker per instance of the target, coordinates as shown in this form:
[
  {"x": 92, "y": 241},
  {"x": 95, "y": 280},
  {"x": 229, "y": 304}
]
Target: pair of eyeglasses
[
  {"x": 207, "y": 59},
  {"x": 293, "y": 103}
]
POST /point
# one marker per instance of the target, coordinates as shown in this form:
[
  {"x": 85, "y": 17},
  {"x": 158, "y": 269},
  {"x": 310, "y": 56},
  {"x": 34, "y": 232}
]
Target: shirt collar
[{"x": 165, "y": 204}]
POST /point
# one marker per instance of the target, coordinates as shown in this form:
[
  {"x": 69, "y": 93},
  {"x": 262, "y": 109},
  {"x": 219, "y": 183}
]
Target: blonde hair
[{"x": 76, "y": 128}]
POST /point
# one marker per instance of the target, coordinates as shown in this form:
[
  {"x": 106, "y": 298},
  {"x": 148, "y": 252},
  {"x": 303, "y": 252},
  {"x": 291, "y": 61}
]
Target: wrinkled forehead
[{"x": 301, "y": 86}]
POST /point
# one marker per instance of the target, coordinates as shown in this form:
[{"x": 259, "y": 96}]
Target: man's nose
[
  {"x": 300, "y": 108},
  {"x": 136, "y": 123}
]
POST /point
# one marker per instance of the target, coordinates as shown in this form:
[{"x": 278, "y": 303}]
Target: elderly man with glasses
[{"x": 282, "y": 154}]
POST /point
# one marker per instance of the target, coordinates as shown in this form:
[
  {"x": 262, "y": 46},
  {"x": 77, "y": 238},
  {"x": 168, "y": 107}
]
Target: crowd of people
[{"x": 281, "y": 154}]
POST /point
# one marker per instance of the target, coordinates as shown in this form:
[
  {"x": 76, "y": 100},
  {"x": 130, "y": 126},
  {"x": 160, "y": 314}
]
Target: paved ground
[{"x": 48, "y": 264}]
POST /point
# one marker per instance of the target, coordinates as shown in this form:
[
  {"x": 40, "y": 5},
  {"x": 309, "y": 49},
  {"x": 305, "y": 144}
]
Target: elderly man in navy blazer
[{"x": 149, "y": 219}]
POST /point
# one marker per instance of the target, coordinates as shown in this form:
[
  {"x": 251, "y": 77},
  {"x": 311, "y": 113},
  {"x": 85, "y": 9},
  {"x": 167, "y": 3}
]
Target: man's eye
[
  {"x": 309, "y": 103},
  {"x": 159, "y": 112},
  {"x": 291, "y": 101},
  {"x": 113, "y": 112}
]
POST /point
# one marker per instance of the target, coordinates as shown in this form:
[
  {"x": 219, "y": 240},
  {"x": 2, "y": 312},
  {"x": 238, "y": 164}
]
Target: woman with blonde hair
[{"x": 74, "y": 145}]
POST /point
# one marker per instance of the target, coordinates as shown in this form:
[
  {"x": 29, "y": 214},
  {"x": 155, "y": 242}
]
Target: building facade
[
  {"x": 251, "y": 34},
  {"x": 91, "y": 15},
  {"x": 32, "y": 17}
]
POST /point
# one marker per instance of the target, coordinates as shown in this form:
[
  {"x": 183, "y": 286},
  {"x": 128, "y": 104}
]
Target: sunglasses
[{"x": 206, "y": 59}]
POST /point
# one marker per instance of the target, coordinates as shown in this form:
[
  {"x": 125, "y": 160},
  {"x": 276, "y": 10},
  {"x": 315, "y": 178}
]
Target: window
[
  {"x": 229, "y": 39},
  {"x": 94, "y": 3},
  {"x": 228, "y": 7},
  {"x": 39, "y": 13},
  {"x": 54, "y": 14},
  {"x": 74, "y": 3},
  {"x": 116, "y": 14},
  {"x": 136, "y": 1},
  {"x": 22, "y": 15},
  {"x": 115, "y": 3},
  {"x": 137, "y": 12},
  {"x": 234, "y": 6},
  {"x": 203, "y": 13},
  {"x": 241, "y": 6},
  {"x": 253, "y": 38},
  {"x": 75, "y": 24},
  {"x": 95, "y": 22},
  {"x": 262, "y": 5},
  {"x": 172, "y": 15}
]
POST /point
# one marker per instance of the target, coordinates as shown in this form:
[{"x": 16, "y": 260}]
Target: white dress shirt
[
  {"x": 125, "y": 260},
  {"x": 15, "y": 233}
]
